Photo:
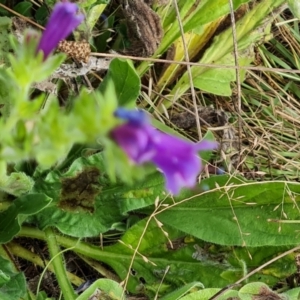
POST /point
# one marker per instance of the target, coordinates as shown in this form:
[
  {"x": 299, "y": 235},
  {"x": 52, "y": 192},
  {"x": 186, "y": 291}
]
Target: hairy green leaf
[
  {"x": 86, "y": 203},
  {"x": 233, "y": 211}
]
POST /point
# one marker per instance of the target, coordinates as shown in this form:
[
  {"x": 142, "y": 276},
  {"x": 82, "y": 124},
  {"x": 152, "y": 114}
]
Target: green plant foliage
[
  {"x": 206, "y": 294},
  {"x": 249, "y": 30},
  {"x": 12, "y": 284},
  {"x": 292, "y": 294},
  {"x": 85, "y": 202},
  {"x": 102, "y": 288},
  {"x": 12, "y": 218},
  {"x": 154, "y": 257},
  {"x": 24, "y": 8},
  {"x": 193, "y": 16},
  {"x": 61, "y": 172},
  {"x": 127, "y": 86},
  {"x": 294, "y": 6},
  {"x": 225, "y": 213},
  {"x": 90, "y": 119},
  {"x": 183, "y": 291},
  {"x": 17, "y": 183}
]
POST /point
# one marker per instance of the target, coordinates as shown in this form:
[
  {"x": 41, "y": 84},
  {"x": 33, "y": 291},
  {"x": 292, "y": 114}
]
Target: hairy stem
[
  {"x": 58, "y": 264},
  {"x": 20, "y": 251}
]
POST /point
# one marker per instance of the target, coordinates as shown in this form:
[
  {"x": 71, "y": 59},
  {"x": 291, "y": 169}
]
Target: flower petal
[
  {"x": 175, "y": 157},
  {"x": 63, "y": 20},
  {"x": 134, "y": 141}
]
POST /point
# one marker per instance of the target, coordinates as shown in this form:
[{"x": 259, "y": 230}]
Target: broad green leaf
[
  {"x": 233, "y": 211},
  {"x": 12, "y": 284},
  {"x": 13, "y": 217},
  {"x": 206, "y": 294},
  {"x": 103, "y": 288},
  {"x": 155, "y": 259},
  {"x": 86, "y": 203},
  {"x": 126, "y": 82},
  {"x": 183, "y": 291},
  {"x": 23, "y": 8},
  {"x": 254, "y": 288},
  {"x": 292, "y": 294}
]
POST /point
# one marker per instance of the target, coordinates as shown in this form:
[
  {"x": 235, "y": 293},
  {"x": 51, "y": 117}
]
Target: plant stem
[
  {"x": 58, "y": 264},
  {"x": 20, "y": 251},
  {"x": 76, "y": 245}
]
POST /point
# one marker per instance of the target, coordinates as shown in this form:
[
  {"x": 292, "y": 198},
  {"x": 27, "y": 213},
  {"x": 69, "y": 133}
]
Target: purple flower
[
  {"x": 63, "y": 20},
  {"x": 176, "y": 158}
]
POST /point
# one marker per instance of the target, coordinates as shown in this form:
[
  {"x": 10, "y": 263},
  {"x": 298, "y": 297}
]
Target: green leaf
[
  {"x": 210, "y": 11},
  {"x": 292, "y": 294},
  {"x": 156, "y": 259},
  {"x": 206, "y": 294},
  {"x": 126, "y": 82},
  {"x": 103, "y": 288},
  {"x": 12, "y": 284},
  {"x": 254, "y": 288},
  {"x": 13, "y": 217},
  {"x": 86, "y": 203},
  {"x": 94, "y": 14},
  {"x": 23, "y": 8},
  {"x": 182, "y": 291},
  {"x": 17, "y": 183},
  {"x": 232, "y": 211},
  {"x": 294, "y": 6}
]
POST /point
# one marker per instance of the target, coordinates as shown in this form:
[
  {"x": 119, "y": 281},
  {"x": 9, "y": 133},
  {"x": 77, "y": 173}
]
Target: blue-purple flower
[
  {"x": 175, "y": 157},
  {"x": 63, "y": 20}
]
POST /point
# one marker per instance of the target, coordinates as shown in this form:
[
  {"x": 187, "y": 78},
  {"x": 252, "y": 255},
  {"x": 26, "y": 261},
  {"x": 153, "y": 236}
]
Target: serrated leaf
[
  {"x": 233, "y": 211},
  {"x": 13, "y": 217}
]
